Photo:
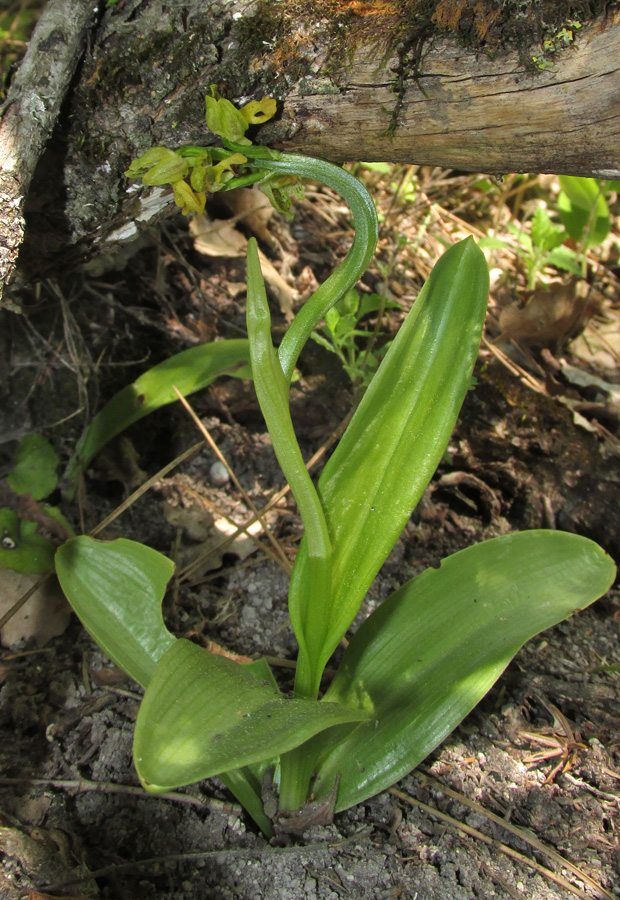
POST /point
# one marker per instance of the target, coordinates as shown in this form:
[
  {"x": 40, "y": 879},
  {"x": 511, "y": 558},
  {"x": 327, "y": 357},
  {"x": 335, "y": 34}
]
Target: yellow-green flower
[
  {"x": 159, "y": 165},
  {"x": 187, "y": 199}
]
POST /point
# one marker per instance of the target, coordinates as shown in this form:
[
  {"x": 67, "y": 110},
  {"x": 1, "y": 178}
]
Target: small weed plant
[
  {"x": 425, "y": 657},
  {"x": 585, "y": 221}
]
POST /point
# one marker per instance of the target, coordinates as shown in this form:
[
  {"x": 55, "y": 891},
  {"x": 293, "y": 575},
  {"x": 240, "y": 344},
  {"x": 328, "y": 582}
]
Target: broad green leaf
[
  {"x": 432, "y": 650},
  {"x": 21, "y": 548},
  {"x": 394, "y": 442},
  {"x": 34, "y": 471},
  {"x": 188, "y": 371},
  {"x": 116, "y": 589},
  {"x": 583, "y": 210},
  {"x": 204, "y": 714},
  {"x": 246, "y": 783}
]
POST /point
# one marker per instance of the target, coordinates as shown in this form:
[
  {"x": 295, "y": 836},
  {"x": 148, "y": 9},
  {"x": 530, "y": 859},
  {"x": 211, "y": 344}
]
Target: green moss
[
  {"x": 280, "y": 39},
  {"x": 285, "y": 34}
]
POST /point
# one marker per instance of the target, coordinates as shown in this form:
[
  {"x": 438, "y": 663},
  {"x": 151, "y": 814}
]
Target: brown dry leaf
[
  {"x": 253, "y": 208},
  {"x": 599, "y": 345},
  {"x": 314, "y": 812},
  {"x": 550, "y": 315},
  {"x": 217, "y": 237},
  {"x": 44, "y": 616}
]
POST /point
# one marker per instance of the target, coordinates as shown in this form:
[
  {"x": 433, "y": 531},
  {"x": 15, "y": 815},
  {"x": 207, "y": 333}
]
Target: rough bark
[
  {"x": 353, "y": 83},
  {"x": 31, "y": 110}
]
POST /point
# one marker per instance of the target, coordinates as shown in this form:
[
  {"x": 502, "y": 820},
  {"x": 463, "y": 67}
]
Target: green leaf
[
  {"x": 34, "y": 470},
  {"x": 116, "y": 589},
  {"x": 21, "y": 548},
  {"x": 564, "y": 258},
  {"x": 432, "y": 650},
  {"x": 545, "y": 235},
  {"x": 395, "y": 441},
  {"x": 583, "y": 210},
  {"x": 332, "y": 317},
  {"x": 374, "y": 302},
  {"x": 522, "y": 237},
  {"x": 493, "y": 243},
  {"x": 204, "y": 714},
  {"x": 323, "y": 342},
  {"x": 349, "y": 304},
  {"x": 188, "y": 371}
]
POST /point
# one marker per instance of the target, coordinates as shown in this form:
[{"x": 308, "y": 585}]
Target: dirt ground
[{"x": 520, "y": 801}]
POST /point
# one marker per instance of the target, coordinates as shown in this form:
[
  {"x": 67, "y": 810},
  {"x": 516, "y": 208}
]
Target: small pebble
[{"x": 218, "y": 474}]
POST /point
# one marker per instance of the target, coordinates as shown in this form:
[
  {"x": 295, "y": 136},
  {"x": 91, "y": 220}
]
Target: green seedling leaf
[
  {"x": 373, "y": 303},
  {"x": 583, "y": 210},
  {"x": 522, "y": 236},
  {"x": 34, "y": 470},
  {"x": 394, "y": 442},
  {"x": 319, "y": 339},
  {"x": 346, "y": 326},
  {"x": 349, "y": 304},
  {"x": 21, "y": 548},
  {"x": 545, "y": 235},
  {"x": 564, "y": 258},
  {"x": 116, "y": 589},
  {"x": 432, "y": 650},
  {"x": 332, "y": 317},
  {"x": 204, "y": 714},
  {"x": 189, "y": 371},
  {"x": 493, "y": 243}
]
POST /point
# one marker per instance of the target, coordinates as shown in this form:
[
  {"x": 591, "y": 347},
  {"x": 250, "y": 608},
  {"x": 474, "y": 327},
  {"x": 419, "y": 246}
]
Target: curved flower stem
[{"x": 354, "y": 264}]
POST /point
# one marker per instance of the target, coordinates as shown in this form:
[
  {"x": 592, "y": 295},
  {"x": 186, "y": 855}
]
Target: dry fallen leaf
[
  {"x": 217, "y": 237},
  {"x": 253, "y": 208},
  {"x": 44, "y": 616},
  {"x": 550, "y": 315}
]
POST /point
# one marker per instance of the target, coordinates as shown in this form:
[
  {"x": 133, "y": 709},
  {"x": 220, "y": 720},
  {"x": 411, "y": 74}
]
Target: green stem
[
  {"x": 272, "y": 392},
  {"x": 354, "y": 264},
  {"x": 272, "y": 375}
]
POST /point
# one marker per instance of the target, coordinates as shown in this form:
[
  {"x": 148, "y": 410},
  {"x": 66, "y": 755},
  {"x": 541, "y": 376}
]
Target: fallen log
[{"x": 459, "y": 86}]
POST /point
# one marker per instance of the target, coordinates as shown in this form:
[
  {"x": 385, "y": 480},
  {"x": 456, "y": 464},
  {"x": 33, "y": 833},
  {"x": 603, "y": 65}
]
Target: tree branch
[
  {"x": 31, "y": 110},
  {"x": 346, "y": 91}
]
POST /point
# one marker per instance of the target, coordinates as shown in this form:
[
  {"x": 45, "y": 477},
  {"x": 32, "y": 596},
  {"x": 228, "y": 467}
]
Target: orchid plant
[{"x": 423, "y": 659}]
